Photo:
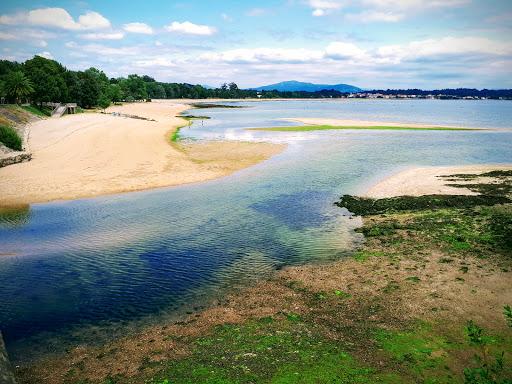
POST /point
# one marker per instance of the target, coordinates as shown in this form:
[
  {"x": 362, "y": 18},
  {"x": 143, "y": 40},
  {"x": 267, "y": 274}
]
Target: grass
[
  {"x": 419, "y": 349},
  {"x": 268, "y": 350},
  {"x": 175, "y": 136},
  {"x": 43, "y": 112},
  {"x": 10, "y": 138},
  {"x": 307, "y": 128}
]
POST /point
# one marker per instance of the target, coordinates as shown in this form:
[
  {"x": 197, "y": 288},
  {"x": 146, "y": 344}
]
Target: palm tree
[{"x": 18, "y": 86}]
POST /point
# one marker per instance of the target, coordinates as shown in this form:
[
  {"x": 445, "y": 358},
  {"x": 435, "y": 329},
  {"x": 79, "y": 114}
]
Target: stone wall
[
  {"x": 6, "y": 372},
  {"x": 8, "y": 156}
]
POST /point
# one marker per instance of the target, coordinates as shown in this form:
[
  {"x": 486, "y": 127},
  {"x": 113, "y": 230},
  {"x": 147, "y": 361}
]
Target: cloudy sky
[{"x": 368, "y": 43}]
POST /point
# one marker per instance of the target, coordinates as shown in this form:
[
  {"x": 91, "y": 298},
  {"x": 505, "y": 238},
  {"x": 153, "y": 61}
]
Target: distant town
[{"x": 444, "y": 94}]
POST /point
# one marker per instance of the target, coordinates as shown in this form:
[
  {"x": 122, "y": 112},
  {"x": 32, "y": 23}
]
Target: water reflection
[{"x": 14, "y": 217}]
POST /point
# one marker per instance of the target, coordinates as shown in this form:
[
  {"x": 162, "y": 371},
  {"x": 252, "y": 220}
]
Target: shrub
[{"x": 10, "y": 138}]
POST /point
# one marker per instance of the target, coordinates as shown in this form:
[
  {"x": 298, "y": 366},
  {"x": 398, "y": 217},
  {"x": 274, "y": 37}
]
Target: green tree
[
  {"x": 136, "y": 87},
  {"x": 74, "y": 84},
  {"x": 90, "y": 89},
  {"x": 18, "y": 87},
  {"x": 103, "y": 101},
  {"x": 2, "y": 88},
  {"x": 155, "y": 90},
  {"x": 7, "y": 67},
  {"x": 48, "y": 79},
  {"x": 114, "y": 92}
]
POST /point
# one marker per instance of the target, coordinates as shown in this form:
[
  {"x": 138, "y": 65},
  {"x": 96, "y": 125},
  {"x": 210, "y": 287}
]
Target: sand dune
[{"x": 93, "y": 154}]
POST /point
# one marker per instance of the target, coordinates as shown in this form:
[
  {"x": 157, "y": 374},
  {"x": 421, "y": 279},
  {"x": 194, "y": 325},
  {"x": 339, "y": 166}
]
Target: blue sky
[{"x": 368, "y": 43}]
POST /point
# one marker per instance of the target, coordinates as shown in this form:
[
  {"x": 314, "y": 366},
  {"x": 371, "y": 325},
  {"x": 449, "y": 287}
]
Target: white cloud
[
  {"x": 103, "y": 36},
  {"x": 375, "y": 16},
  {"x": 443, "y": 50},
  {"x": 104, "y": 51},
  {"x": 418, "y": 4},
  {"x": 7, "y": 36},
  {"x": 343, "y": 51},
  {"x": 265, "y": 55},
  {"x": 323, "y": 7},
  {"x": 46, "y": 55},
  {"x": 158, "y": 43},
  {"x": 391, "y": 11},
  {"x": 438, "y": 48},
  {"x": 56, "y": 18},
  {"x": 31, "y": 37},
  {"x": 93, "y": 20},
  {"x": 189, "y": 28},
  {"x": 138, "y": 28},
  {"x": 156, "y": 62}
]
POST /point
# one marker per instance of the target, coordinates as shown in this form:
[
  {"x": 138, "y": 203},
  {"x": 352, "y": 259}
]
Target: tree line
[{"x": 40, "y": 80}]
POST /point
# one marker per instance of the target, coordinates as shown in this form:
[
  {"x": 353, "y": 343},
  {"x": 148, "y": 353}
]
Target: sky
[{"x": 372, "y": 44}]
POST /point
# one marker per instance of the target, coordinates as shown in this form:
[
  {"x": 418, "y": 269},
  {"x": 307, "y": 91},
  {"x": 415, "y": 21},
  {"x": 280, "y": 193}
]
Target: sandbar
[
  {"x": 429, "y": 181},
  {"x": 367, "y": 123}
]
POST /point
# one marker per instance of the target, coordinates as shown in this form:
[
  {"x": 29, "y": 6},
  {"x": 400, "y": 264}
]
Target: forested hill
[{"x": 42, "y": 80}]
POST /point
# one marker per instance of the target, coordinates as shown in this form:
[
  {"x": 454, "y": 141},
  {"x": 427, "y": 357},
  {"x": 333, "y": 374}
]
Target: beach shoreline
[{"x": 93, "y": 154}]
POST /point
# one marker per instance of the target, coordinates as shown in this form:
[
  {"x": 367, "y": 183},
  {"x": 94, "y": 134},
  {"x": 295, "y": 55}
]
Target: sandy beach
[
  {"x": 92, "y": 154},
  {"x": 428, "y": 181},
  {"x": 359, "y": 123}
]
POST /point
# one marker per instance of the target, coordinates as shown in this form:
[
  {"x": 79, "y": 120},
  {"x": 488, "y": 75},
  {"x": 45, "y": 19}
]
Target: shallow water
[{"x": 111, "y": 260}]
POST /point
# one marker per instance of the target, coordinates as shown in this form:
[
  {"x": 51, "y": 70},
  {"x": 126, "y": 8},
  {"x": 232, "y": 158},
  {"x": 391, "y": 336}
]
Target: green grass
[
  {"x": 43, "y": 112},
  {"x": 262, "y": 351},
  {"x": 420, "y": 350},
  {"x": 175, "y": 135},
  {"x": 10, "y": 138},
  {"x": 307, "y": 128}
]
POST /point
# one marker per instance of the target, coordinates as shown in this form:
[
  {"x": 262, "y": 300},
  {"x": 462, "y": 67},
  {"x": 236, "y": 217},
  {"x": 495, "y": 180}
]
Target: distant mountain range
[{"x": 294, "y": 86}]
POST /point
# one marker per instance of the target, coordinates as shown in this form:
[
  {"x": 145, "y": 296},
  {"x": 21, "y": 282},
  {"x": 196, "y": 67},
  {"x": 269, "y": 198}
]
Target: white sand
[
  {"x": 92, "y": 154},
  {"x": 426, "y": 181}
]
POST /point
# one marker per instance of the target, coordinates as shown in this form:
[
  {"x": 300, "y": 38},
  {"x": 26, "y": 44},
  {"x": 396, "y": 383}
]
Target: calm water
[{"x": 102, "y": 262}]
